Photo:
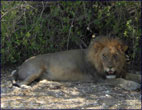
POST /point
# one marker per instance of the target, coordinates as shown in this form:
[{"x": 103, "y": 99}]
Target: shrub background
[{"x": 31, "y": 28}]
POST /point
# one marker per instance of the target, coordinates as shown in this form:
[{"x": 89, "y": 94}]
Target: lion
[{"x": 103, "y": 59}]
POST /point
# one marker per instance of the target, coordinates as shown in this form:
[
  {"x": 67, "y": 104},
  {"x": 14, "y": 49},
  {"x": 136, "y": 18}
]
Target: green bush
[{"x": 31, "y": 28}]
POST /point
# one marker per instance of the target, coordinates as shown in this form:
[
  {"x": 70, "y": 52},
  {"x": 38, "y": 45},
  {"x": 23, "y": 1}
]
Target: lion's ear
[
  {"x": 98, "y": 46},
  {"x": 123, "y": 48}
]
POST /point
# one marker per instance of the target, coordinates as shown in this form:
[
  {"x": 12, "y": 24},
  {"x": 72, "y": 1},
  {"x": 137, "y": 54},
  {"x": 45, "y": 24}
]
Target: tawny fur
[{"x": 75, "y": 65}]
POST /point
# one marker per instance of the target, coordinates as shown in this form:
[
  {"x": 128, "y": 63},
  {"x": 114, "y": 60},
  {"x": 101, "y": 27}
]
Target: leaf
[{"x": 28, "y": 34}]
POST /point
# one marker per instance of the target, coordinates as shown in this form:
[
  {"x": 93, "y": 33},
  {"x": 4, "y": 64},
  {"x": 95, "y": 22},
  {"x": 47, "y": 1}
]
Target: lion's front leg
[
  {"x": 133, "y": 77},
  {"x": 127, "y": 84},
  {"x": 123, "y": 83}
]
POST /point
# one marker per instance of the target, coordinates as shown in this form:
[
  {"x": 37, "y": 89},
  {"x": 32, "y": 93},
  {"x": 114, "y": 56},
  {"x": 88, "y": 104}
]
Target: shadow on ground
[{"x": 64, "y": 95}]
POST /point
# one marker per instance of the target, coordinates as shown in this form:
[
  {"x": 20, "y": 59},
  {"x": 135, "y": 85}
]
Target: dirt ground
[{"x": 64, "y": 95}]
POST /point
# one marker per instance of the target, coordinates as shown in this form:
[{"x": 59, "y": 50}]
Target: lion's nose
[{"x": 110, "y": 67}]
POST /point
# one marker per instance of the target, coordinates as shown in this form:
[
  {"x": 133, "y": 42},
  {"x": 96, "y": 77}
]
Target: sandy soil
[{"x": 64, "y": 95}]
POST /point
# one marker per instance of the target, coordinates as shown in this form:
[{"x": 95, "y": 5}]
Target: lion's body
[
  {"x": 104, "y": 56},
  {"x": 62, "y": 66}
]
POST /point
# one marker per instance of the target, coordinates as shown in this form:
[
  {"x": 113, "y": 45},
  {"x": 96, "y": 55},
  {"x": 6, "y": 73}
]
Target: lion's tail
[{"x": 14, "y": 77}]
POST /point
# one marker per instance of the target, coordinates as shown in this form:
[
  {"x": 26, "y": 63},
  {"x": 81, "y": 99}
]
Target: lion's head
[{"x": 107, "y": 55}]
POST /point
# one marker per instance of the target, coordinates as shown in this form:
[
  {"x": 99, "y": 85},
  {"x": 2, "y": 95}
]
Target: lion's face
[
  {"x": 111, "y": 60},
  {"x": 108, "y": 56}
]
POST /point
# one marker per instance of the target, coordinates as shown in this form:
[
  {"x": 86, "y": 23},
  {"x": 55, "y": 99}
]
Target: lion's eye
[
  {"x": 115, "y": 56},
  {"x": 104, "y": 56}
]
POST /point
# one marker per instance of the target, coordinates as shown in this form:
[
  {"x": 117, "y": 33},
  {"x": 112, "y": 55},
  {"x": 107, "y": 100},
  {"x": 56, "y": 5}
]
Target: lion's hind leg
[{"x": 32, "y": 77}]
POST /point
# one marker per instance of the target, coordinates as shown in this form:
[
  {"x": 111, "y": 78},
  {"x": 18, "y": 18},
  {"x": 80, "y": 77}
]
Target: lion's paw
[
  {"x": 25, "y": 86},
  {"x": 130, "y": 85}
]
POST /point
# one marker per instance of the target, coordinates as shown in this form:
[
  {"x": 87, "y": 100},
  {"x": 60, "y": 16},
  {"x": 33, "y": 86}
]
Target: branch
[{"x": 69, "y": 34}]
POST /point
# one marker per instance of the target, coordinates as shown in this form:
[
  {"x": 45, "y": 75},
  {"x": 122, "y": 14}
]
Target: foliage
[{"x": 31, "y": 28}]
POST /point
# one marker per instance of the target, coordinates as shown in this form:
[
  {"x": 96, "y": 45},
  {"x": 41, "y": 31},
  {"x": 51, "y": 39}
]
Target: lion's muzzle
[{"x": 110, "y": 73}]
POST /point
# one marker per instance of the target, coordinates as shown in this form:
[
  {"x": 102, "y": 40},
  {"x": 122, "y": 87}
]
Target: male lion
[{"x": 104, "y": 58}]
